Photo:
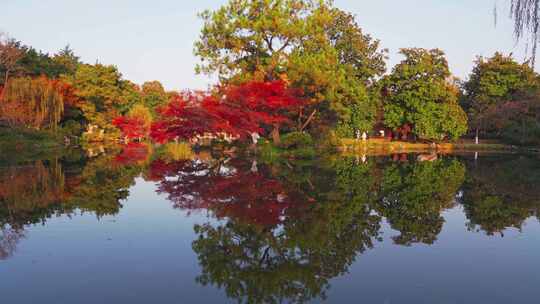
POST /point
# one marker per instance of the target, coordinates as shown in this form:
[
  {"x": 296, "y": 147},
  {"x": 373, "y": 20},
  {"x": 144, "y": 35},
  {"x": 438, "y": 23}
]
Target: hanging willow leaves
[
  {"x": 32, "y": 103},
  {"x": 526, "y": 17}
]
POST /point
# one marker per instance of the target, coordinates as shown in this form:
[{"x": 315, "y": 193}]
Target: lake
[{"x": 135, "y": 225}]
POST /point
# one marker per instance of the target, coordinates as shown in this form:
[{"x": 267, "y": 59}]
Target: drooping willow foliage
[
  {"x": 526, "y": 16},
  {"x": 32, "y": 103}
]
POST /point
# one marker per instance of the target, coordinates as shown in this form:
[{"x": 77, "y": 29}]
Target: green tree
[
  {"x": 310, "y": 44},
  {"x": 153, "y": 96},
  {"x": 419, "y": 95},
  {"x": 35, "y": 63},
  {"x": 494, "y": 82},
  {"x": 104, "y": 92},
  {"x": 25, "y": 61},
  {"x": 67, "y": 60}
]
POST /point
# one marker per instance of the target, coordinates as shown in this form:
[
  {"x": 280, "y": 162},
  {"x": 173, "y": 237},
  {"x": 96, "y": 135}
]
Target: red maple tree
[
  {"x": 240, "y": 111},
  {"x": 187, "y": 116},
  {"x": 131, "y": 127}
]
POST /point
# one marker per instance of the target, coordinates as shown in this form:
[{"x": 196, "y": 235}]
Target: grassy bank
[
  {"x": 27, "y": 144},
  {"x": 383, "y": 146}
]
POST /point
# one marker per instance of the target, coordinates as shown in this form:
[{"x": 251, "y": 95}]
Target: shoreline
[{"x": 383, "y": 146}]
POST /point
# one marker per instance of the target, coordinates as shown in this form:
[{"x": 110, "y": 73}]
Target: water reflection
[
  {"x": 284, "y": 233},
  {"x": 501, "y": 194},
  {"x": 34, "y": 191},
  {"x": 413, "y": 195},
  {"x": 278, "y": 230}
]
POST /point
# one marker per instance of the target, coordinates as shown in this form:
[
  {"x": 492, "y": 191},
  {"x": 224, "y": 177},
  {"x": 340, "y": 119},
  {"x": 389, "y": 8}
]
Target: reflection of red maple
[
  {"x": 132, "y": 153},
  {"x": 242, "y": 110},
  {"x": 233, "y": 191}
]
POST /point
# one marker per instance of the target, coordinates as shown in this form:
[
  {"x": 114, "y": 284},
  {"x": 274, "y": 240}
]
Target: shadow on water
[{"x": 280, "y": 229}]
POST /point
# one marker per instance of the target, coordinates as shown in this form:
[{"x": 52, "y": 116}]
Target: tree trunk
[
  {"x": 275, "y": 135},
  {"x": 476, "y": 140},
  {"x": 6, "y": 77},
  {"x": 308, "y": 120}
]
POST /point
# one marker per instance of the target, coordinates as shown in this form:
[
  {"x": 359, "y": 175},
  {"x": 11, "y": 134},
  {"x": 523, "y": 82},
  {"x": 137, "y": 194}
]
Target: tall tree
[
  {"x": 20, "y": 60},
  {"x": 10, "y": 54},
  {"x": 309, "y": 44},
  {"x": 493, "y": 83},
  {"x": 67, "y": 60},
  {"x": 420, "y": 96},
  {"x": 105, "y": 93},
  {"x": 154, "y": 96}
]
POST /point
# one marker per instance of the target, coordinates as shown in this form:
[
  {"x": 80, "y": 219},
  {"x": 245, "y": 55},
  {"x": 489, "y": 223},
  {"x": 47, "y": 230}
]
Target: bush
[
  {"x": 527, "y": 134},
  {"x": 72, "y": 128},
  {"x": 296, "y": 140},
  {"x": 178, "y": 151}
]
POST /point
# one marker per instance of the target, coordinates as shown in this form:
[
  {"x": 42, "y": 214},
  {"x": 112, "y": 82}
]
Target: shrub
[
  {"x": 296, "y": 140},
  {"x": 524, "y": 133},
  {"x": 72, "y": 128},
  {"x": 178, "y": 151}
]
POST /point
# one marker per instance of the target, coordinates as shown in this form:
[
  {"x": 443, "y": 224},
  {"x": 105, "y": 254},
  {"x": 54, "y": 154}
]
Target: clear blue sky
[{"x": 153, "y": 40}]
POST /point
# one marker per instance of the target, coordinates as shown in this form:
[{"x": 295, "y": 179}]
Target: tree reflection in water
[
  {"x": 285, "y": 228},
  {"x": 34, "y": 191},
  {"x": 9, "y": 238},
  {"x": 283, "y": 237},
  {"x": 501, "y": 194},
  {"x": 414, "y": 195}
]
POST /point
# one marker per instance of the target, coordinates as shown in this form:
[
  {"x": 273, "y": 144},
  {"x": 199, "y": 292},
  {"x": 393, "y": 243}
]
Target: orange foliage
[{"x": 36, "y": 103}]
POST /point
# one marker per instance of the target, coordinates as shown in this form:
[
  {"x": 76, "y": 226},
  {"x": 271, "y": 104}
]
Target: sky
[{"x": 153, "y": 40}]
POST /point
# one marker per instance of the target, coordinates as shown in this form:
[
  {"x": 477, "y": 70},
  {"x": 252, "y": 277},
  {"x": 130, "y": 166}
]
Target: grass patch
[
  {"x": 28, "y": 144},
  {"x": 179, "y": 151}
]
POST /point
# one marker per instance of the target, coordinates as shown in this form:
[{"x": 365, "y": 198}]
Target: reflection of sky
[
  {"x": 461, "y": 267},
  {"x": 151, "y": 40},
  {"x": 144, "y": 255}
]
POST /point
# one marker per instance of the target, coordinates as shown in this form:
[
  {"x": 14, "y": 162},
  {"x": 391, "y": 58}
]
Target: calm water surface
[{"x": 138, "y": 227}]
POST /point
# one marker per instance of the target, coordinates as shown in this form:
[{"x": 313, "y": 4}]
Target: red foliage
[
  {"x": 187, "y": 116},
  {"x": 267, "y": 103},
  {"x": 131, "y": 127},
  {"x": 241, "y": 110}
]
